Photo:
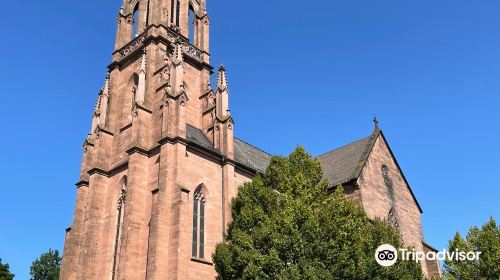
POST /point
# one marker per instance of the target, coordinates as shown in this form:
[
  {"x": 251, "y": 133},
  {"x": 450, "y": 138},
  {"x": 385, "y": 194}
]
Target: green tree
[
  {"x": 286, "y": 226},
  {"x": 485, "y": 240},
  {"x": 46, "y": 267},
  {"x": 5, "y": 271}
]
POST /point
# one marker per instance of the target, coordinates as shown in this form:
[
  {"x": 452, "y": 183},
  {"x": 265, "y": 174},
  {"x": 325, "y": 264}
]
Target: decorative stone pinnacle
[
  {"x": 105, "y": 90},
  {"x": 178, "y": 52},
  {"x": 143, "y": 60},
  {"x": 222, "y": 79}
]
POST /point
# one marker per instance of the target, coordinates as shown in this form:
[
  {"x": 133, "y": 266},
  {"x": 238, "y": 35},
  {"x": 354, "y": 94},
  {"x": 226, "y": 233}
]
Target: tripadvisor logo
[{"x": 387, "y": 255}]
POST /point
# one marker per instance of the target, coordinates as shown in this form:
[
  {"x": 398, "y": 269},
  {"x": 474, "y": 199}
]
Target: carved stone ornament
[
  {"x": 183, "y": 99},
  {"x": 187, "y": 48},
  {"x": 172, "y": 36},
  {"x": 165, "y": 101},
  {"x": 130, "y": 19},
  {"x": 165, "y": 74},
  {"x": 211, "y": 99},
  {"x": 134, "y": 45}
]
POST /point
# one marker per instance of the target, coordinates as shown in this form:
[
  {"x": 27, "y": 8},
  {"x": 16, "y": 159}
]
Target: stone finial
[
  {"x": 178, "y": 53},
  {"x": 222, "y": 79},
  {"x": 222, "y": 97},
  {"x": 105, "y": 89},
  {"x": 144, "y": 61}
]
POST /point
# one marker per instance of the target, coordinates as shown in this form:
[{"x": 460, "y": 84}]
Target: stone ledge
[{"x": 202, "y": 261}]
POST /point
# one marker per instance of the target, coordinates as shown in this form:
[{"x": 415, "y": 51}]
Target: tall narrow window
[
  {"x": 192, "y": 28},
  {"x": 135, "y": 87},
  {"x": 388, "y": 181},
  {"x": 198, "y": 246},
  {"x": 135, "y": 23},
  {"x": 172, "y": 10},
  {"x": 178, "y": 13},
  {"x": 119, "y": 222},
  {"x": 201, "y": 253}
]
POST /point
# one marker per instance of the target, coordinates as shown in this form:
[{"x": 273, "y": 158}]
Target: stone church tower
[{"x": 161, "y": 164}]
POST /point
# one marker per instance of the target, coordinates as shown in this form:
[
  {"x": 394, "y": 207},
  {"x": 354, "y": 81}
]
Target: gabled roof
[
  {"x": 346, "y": 163},
  {"x": 340, "y": 166}
]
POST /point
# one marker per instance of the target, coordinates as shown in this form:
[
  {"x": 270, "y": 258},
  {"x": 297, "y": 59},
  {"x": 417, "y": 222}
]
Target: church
[{"x": 161, "y": 162}]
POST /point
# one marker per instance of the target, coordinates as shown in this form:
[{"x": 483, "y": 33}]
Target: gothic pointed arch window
[
  {"x": 135, "y": 87},
  {"x": 388, "y": 181},
  {"x": 393, "y": 219},
  {"x": 199, "y": 203},
  {"x": 135, "y": 21},
  {"x": 175, "y": 10},
  {"x": 178, "y": 13},
  {"x": 192, "y": 25},
  {"x": 119, "y": 222}
]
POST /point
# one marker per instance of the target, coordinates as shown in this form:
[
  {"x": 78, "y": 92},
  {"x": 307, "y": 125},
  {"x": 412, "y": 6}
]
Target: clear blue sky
[{"x": 301, "y": 72}]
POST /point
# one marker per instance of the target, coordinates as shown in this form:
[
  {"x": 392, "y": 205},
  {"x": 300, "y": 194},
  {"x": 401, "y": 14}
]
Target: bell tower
[{"x": 138, "y": 174}]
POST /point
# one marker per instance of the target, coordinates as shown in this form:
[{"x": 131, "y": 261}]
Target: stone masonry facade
[{"x": 161, "y": 164}]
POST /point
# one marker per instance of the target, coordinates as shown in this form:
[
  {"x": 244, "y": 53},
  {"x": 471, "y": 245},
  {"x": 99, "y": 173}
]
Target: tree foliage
[
  {"x": 485, "y": 240},
  {"x": 5, "y": 271},
  {"x": 46, "y": 267},
  {"x": 286, "y": 226}
]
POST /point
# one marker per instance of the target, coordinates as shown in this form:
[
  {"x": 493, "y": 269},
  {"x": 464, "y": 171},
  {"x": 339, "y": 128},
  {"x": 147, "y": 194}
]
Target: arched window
[
  {"x": 388, "y": 181},
  {"x": 172, "y": 10},
  {"x": 385, "y": 173},
  {"x": 192, "y": 23},
  {"x": 178, "y": 13},
  {"x": 392, "y": 219},
  {"x": 198, "y": 225},
  {"x": 119, "y": 222},
  {"x": 135, "y": 87},
  {"x": 135, "y": 23}
]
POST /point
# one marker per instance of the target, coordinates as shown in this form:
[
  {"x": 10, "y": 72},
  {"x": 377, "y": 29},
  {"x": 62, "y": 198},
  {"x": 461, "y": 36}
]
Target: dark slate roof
[
  {"x": 197, "y": 136},
  {"x": 251, "y": 156},
  {"x": 340, "y": 166},
  {"x": 244, "y": 153},
  {"x": 345, "y": 163}
]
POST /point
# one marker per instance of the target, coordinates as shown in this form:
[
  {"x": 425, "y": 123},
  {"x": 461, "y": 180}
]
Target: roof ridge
[{"x": 253, "y": 146}]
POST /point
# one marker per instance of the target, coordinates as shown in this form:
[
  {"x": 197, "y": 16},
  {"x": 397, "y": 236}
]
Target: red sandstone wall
[{"x": 376, "y": 197}]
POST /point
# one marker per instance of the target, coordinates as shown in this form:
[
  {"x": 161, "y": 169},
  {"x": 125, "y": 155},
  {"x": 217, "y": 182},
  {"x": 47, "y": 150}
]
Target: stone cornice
[
  {"x": 82, "y": 183},
  {"x": 104, "y": 130},
  {"x": 160, "y": 33},
  {"x": 192, "y": 147},
  {"x": 99, "y": 171},
  {"x": 138, "y": 150},
  {"x": 143, "y": 107}
]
